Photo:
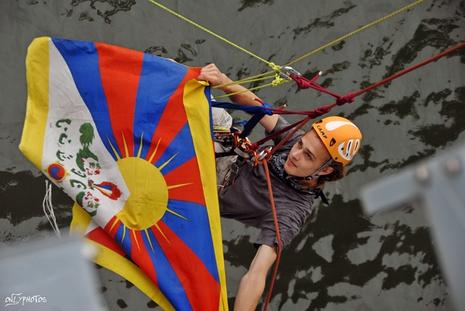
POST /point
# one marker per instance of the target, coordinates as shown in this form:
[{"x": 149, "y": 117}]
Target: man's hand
[
  {"x": 253, "y": 282},
  {"x": 212, "y": 74}
]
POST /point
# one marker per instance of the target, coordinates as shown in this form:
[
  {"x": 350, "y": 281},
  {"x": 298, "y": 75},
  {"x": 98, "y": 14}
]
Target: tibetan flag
[{"x": 127, "y": 136}]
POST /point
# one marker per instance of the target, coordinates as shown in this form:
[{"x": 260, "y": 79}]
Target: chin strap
[{"x": 315, "y": 174}]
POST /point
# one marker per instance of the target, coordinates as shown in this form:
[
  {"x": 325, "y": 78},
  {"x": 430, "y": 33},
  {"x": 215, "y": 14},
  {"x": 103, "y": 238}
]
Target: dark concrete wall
[{"x": 342, "y": 260}]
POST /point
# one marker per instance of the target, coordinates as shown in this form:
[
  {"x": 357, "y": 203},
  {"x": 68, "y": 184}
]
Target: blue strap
[
  {"x": 249, "y": 126},
  {"x": 265, "y": 109},
  {"x": 258, "y": 113}
]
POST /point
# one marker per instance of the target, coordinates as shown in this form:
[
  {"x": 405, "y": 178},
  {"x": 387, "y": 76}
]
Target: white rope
[{"x": 47, "y": 207}]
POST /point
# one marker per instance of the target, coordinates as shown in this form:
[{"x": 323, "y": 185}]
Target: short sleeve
[
  {"x": 289, "y": 228},
  {"x": 282, "y": 123}
]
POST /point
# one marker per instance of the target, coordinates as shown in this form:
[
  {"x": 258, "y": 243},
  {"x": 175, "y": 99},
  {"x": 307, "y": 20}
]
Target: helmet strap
[{"x": 316, "y": 173}]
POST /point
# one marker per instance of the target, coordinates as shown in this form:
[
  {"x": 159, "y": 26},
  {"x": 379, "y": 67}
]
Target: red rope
[
  {"x": 276, "y": 133},
  {"x": 409, "y": 69},
  {"x": 278, "y": 234},
  {"x": 303, "y": 82},
  {"x": 342, "y": 100},
  {"x": 315, "y": 113},
  {"x": 288, "y": 136}
]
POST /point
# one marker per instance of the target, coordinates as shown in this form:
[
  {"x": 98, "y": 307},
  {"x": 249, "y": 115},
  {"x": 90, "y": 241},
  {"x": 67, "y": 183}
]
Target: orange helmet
[{"x": 340, "y": 136}]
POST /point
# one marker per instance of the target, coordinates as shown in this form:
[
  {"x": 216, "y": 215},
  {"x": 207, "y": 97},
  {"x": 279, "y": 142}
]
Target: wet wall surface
[{"x": 342, "y": 260}]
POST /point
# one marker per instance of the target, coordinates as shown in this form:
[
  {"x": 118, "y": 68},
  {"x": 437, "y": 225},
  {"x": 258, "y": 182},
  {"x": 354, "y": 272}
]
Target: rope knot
[
  {"x": 323, "y": 110},
  {"x": 319, "y": 111},
  {"x": 348, "y": 98},
  {"x": 274, "y": 67},
  {"x": 277, "y": 80}
]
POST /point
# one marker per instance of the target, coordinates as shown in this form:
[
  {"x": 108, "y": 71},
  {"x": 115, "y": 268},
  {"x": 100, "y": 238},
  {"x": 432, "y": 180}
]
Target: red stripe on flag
[
  {"x": 120, "y": 70},
  {"x": 172, "y": 119},
  {"x": 140, "y": 255},
  {"x": 101, "y": 237},
  {"x": 111, "y": 229},
  {"x": 201, "y": 288},
  {"x": 192, "y": 192}
]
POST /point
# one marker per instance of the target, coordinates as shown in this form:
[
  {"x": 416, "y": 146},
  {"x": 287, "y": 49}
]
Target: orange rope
[{"x": 278, "y": 234}]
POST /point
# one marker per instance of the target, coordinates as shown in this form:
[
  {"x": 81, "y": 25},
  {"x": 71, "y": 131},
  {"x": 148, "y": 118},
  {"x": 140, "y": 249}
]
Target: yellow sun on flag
[{"x": 148, "y": 190}]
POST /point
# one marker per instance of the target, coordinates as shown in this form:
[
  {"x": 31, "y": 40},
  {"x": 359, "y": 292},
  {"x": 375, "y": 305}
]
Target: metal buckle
[
  {"x": 262, "y": 153},
  {"x": 242, "y": 146}
]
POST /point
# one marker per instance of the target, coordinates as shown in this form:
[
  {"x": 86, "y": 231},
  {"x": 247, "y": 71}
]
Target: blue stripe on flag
[
  {"x": 168, "y": 281},
  {"x": 158, "y": 81},
  {"x": 181, "y": 149},
  {"x": 125, "y": 244},
  {"x": 198, "y": 240}
]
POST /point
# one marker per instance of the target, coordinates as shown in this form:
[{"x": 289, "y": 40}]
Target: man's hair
[{"x": 338, "y": 172}]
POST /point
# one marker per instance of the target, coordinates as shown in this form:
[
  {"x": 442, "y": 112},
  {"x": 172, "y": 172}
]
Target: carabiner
[{"x": 287, "y": 72}]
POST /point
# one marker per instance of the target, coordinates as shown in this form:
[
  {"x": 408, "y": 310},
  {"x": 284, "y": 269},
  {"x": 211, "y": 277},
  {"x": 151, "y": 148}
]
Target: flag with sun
[{"x": 127, "y": 135}]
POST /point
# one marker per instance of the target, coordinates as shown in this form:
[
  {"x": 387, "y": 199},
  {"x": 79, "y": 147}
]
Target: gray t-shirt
[{"x": 246, "y": 199}]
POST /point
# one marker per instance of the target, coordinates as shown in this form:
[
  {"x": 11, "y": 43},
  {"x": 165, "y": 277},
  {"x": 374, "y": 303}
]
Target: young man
[{"x": 298, "y": 172}]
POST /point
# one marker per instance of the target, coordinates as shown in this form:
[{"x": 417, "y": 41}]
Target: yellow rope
[
  {"x": 352, "y": 33},
  {"x": 244, "y": 91},
  {"x": 268, "y": 73},
  {"x": 276, "y": 68},
  {"x": 211, "y": 33},
  {"x": 273, "y": 66},
  {"x": 276, "y": 81},
  {"x": 243, "y": 81}
]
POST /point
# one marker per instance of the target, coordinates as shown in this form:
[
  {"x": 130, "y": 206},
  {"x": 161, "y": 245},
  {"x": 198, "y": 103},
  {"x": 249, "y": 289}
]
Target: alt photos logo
[{"x": 21, "y": 299}]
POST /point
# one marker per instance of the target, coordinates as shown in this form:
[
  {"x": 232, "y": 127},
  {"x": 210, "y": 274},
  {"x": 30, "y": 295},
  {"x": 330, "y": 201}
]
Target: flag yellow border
[
  {"x": 37, "y": 75},
  {"x": 198, "y": 114}
]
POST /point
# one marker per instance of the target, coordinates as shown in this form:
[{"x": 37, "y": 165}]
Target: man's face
[{"x": 306, "y": 156}]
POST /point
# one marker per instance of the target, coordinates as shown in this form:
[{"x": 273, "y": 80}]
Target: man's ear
[{"x": 327, "y": 170}]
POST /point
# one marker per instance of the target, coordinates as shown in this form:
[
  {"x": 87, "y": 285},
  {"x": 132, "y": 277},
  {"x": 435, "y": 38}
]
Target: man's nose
[{"x": 296, "y": 154}]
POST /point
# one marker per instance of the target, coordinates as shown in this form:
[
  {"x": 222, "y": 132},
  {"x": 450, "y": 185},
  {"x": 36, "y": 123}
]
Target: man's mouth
[{"x": 291, "y": 163}]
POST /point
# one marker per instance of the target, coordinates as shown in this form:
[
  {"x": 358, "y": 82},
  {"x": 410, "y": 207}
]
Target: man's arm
[
  {"x": 253, "y": 282},
  {"x": 212, "y": 74}
]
